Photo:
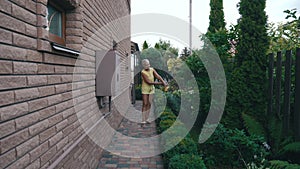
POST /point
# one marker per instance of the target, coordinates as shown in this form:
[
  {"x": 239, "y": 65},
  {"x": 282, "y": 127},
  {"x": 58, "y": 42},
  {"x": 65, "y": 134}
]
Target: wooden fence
[{"x": 281, "y": 87}]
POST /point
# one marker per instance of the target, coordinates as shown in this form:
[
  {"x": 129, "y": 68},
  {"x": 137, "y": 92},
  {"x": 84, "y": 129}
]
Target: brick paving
[{"x": 134, "y": 145}]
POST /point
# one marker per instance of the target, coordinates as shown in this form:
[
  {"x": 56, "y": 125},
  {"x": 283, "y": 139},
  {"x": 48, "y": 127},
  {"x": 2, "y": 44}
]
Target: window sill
[{"x": 64, "y": 49}]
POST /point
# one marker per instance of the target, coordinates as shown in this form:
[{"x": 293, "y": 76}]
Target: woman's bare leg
[
  {"x": 145, "y": 106},
  {"x": 149, "y": 106}
]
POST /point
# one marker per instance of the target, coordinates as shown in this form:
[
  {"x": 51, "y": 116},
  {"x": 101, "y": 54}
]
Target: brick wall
[{"x": 47, "y": 97}]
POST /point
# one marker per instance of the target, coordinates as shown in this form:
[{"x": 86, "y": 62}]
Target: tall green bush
[
  {"x": 216, "y": 17},
  {"x": 247, "y": 87},
  {"x": 253, "y": 38}
]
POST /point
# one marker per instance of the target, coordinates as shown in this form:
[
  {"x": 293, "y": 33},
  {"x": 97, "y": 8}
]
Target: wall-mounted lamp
[{"x": 115, "y": 44}]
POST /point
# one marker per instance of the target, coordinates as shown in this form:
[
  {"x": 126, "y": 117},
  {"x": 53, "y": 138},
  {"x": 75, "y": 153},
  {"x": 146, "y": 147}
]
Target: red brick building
[{"x": 47, "y": 65}]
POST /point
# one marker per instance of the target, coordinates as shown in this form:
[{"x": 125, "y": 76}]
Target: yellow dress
[{"x": 146, "y": 88}]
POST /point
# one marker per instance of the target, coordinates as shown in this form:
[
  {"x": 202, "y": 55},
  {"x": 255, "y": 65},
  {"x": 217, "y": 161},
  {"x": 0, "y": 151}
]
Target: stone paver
[{"x": 134, "y": 146}]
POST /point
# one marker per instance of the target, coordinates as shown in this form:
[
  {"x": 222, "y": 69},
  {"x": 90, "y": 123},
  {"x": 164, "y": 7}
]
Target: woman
[{"x": 148, "y": 89}]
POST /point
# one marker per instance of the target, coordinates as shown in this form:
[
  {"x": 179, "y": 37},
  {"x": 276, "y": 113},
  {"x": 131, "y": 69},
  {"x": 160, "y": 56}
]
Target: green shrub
[
  {"x": 234, "y": 148},
  {"x": 290, "y": 152},
  {"x": 276, "y": 164},
  {"x": 165, "y": 121},
  {"x": 165, "y": 124},
  {"x": 174, "y": 135},
  {"x": 292, "y": 147},
  {"x": 138, "y": 92},
  {"x": 167, "y": 116},
  {"x": 185, "y": 146},
  {"x": 173, "y": 101},
  {"x": 186, "y": 161}
]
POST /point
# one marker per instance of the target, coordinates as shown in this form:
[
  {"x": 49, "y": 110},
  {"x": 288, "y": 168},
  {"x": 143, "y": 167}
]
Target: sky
[{"x": 200, "y": 16}]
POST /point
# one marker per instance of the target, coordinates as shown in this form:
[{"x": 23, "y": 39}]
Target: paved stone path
[{"x": 129, "y": 152}]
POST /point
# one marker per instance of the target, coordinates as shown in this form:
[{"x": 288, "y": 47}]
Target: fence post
[
  {"x": 278, "y": 84},
  {"x": 287, "y": 93},
  {"x": 297, "y": 97},
  {"x": 271, "y": 83}
]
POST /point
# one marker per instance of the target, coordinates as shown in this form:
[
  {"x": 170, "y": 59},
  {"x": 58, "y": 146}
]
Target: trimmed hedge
[
  {"x": 185, "y": 153},
  {"x": 185, "y": 146},
  {"x": 180, "y": 161}
]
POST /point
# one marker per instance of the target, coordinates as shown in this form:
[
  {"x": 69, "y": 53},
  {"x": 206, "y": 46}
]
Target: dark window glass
[{"x": 55, "y": 21}]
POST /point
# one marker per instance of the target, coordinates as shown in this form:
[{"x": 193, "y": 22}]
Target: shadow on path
[{"x": 124, "y": 148}]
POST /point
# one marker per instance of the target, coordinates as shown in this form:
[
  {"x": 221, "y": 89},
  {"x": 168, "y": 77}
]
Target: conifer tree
[
  {"x": 216, "y": 17},
  {"x": 248, "y": 85},
  {"x": 145, "y": 45}
]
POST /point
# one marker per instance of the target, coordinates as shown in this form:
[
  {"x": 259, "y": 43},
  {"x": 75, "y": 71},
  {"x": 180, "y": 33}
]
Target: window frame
[{"x": 55, "y": 38}]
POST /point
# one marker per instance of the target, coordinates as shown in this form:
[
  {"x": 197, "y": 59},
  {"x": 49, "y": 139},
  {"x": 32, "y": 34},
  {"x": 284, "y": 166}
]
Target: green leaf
[
  {"x": 253, "y": 126},
  {"x": 292, "y": 147},
  {"x": 277, "y": 164}
]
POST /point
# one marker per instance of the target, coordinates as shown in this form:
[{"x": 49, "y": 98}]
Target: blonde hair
[{"x": 145, "y": 63}]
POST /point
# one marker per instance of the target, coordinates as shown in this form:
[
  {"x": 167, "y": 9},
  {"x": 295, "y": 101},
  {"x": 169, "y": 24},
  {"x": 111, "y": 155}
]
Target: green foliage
[
  {"x": 159, "y": 57},
  {"x": 200, "y": 73},
  {"x": 185, "y": 53},
  {"x": 281, "y": 148},
  {"x": 167, "y": 49},
  {"x": 216, "y": 17},
  {"x": 233, "y": 148},
  {"x": 217, "y": 35},
  {"x": 167, "y": 116},
  {"x": 290, "y": 152},
  {"x": 253, "y": 39},
  {"x": 186, "y": 161},
  {"x": 275, "y": 133},
  {"x": 138, "y": 92},
  {"x": 276, "y": 164},
  {"x": 246, "y": 93},
  {"x": 285, "y": 36},
  {"x": 247, "y": 86},
  {"x": 173, "y": 101},
  {"x": 224, "y": 43},
  {"x": 172, "y": 136},
  {"x": 145, "y": 45},
  {"x": 185, "y": 146},
  {"x": 165, "y": 124},
  {"x": 292, "y": 147},
  {"x": 157, "y": 61},
  {"x": 222, "y": 40},
  {"x": 159, "y": 104},
  {"x": 155, "y": 58},
  {"x": 253, "y": 126}
]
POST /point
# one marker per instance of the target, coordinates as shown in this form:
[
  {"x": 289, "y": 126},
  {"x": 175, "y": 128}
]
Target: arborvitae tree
[
  {"x": 145, "y": 45},
  {"x": 217, "y": 34},
  {"x": 156, "y": 46},
  {"x": 248, "y": 84},
  {"x": 253, "y": 39},
  {"x": 216, "y": 17}
]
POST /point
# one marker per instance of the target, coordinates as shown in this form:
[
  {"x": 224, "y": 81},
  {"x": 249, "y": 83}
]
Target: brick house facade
[{"x": 39, "y": 84}]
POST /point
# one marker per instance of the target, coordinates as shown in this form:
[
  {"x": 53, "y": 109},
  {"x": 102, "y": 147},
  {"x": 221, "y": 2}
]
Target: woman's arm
[
  {"x": 148, "y": 81},
  {"x": 159, "y": 77}
]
